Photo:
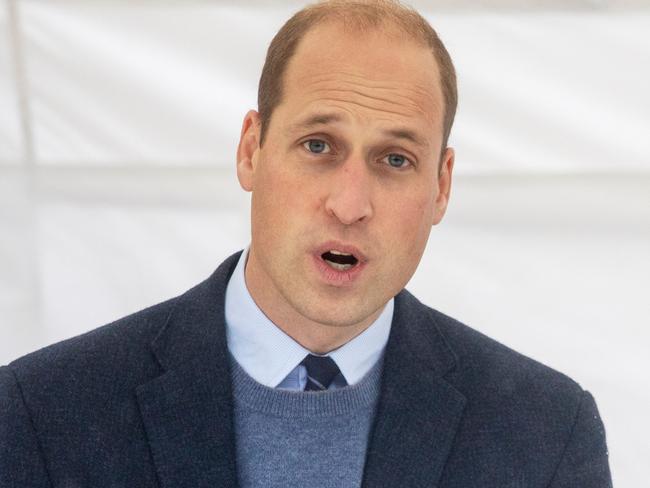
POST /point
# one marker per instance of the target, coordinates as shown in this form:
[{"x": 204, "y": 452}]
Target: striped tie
[{"x": 321, "y": 371}]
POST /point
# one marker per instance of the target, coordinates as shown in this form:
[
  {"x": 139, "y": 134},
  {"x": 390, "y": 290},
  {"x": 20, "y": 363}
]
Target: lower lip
[{"x": 344, "y": 277}]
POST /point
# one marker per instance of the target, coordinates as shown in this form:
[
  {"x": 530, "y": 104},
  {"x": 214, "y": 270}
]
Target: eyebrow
[
  {"x": 328, "y": 118},
  {"x": 316, "y": 120},
  {"x": 406, "y": 134}
]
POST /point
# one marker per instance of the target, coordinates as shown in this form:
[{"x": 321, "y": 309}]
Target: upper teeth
[{"x": 337, "y": 253}]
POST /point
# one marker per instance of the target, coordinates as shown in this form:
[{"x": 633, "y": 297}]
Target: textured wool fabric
[
  {"x": 288, "y": 439},
  {"x": 147, "y": 402}
]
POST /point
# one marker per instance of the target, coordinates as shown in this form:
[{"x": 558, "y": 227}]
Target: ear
[
  {"x": 444, "y": 185},
  {"x": 248, "y": 149}
]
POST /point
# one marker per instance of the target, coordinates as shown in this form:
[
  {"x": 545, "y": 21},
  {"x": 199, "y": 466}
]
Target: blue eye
[
  {"x": 397, "y": 160},
  {"x": 316, "y": 146}
]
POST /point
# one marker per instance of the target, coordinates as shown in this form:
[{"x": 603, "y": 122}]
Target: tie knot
[{"x": 321, "y": 371}]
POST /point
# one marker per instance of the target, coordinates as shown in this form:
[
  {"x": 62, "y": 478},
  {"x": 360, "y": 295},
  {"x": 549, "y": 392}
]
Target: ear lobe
[
  {"x": 248, "y": 149},
  {"x": 444, "y": 185}
]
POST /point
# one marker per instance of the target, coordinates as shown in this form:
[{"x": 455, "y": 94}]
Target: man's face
[{"x": 345, "y": 188}]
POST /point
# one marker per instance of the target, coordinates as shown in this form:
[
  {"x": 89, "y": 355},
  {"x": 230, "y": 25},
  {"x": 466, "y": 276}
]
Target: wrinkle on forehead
[
  {"x": 372, "y": 77},
  {"x": 404, "y": 99}
]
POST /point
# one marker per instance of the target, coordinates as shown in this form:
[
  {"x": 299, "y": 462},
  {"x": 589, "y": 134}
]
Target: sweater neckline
[{"x": 287, "y": 403}]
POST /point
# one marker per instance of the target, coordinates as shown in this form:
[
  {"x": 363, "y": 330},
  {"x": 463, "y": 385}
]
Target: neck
[{"x": 318, "y": 337}]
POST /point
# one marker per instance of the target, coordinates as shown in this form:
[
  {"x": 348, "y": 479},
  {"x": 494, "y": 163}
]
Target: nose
[{"x": 349, "y": 198}]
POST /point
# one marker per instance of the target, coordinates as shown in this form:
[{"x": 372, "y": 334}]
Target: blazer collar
[
  {"x": 187, "y": 411},
  {"x": 418, "y": 411}
]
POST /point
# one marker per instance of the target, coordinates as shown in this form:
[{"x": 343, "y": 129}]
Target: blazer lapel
[
  {"x": 418, "y": 411},
  {"x": 187, "y": 411},
  {"x": 188, "y": 417}
]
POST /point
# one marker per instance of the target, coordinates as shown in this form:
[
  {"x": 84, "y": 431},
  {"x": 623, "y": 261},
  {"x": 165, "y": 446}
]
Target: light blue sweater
[{"x": 299, "y": 439}]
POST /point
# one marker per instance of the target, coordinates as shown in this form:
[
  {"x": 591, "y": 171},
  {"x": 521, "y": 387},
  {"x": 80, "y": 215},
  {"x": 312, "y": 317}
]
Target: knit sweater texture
[{"x": 296, "y": 439}]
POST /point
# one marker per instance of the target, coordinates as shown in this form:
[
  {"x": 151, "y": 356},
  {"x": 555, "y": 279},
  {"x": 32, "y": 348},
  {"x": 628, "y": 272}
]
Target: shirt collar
[{"x": 268, "y": 355}]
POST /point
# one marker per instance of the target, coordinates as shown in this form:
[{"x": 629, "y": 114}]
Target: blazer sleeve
[
  {"x": 21, "y": 461},
  {"x": 585, "y": 459}
]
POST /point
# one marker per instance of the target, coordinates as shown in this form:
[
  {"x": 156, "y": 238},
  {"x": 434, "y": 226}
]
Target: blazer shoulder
[
  {"x": 116, "y": 350},
  {"x": 519, "y": 415},
  {"x": 498, "y": 365},
  {"x": 115, "y": 358}
]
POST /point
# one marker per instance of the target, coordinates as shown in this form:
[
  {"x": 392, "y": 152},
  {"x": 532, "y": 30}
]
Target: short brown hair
[{"x": 363, "y": 15}]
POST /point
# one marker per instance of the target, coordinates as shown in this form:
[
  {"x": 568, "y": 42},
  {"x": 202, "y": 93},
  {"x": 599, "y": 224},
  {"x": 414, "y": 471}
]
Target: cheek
[
  {"x": 278, "y": 197},
  {"x": 415, "y": 212},
  {"x": 411, "y": 223}
]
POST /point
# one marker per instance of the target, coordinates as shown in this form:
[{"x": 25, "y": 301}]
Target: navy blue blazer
[{"x": 147, "y": 402}]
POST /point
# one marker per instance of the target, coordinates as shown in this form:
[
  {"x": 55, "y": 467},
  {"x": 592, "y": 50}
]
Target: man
[{"x": 302, "y": 362}]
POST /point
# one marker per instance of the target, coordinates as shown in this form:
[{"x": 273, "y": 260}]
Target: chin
[
  {"x": 337, "y": 321},
  {"x": 338, "y": 313}
]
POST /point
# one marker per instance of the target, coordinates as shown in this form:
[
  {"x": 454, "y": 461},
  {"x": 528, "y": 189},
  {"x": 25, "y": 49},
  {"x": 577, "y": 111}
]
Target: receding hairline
[
  {"x": 386, "y": 27},
  {"x": 359, "y": 17},
  {"x": 366, "y": 14}
]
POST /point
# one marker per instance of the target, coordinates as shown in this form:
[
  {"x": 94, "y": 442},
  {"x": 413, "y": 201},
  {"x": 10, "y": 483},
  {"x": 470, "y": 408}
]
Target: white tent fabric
[
  {"x": 118, "y": 126},
  {"x": 161, "y": 82}
]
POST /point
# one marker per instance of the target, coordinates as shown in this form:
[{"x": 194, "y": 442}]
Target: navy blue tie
[{"x": 321, "y": 371}]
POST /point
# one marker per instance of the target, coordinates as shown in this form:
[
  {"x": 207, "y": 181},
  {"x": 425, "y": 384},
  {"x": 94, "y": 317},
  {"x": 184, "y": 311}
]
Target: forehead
[{"x": 378, "y": 74}]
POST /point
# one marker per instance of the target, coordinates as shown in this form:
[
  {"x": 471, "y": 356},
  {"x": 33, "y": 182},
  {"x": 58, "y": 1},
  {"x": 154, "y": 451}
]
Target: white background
[{"x": 118, "y": 127}]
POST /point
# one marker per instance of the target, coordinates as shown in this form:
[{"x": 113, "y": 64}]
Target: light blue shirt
[{"x": 273, "y": 358}]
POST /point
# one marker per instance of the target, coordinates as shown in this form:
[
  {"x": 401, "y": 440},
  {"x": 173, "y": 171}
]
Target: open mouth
[{"x": 339, "y": 260}]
